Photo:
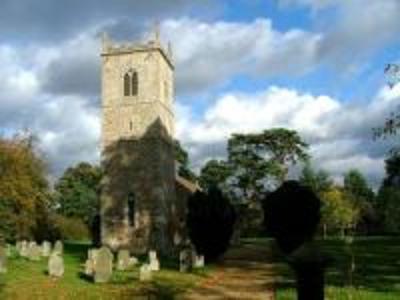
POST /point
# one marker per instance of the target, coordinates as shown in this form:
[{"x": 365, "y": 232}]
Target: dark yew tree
[
  {"x": 210, "y": 221},
  {"x": 214, "y": 173}
]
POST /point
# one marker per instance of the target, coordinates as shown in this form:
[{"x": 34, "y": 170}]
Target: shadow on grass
[{"x": 377, "y": 263}]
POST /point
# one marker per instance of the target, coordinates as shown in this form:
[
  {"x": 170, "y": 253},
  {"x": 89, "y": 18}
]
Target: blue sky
[{"x": 315, "y": 66}]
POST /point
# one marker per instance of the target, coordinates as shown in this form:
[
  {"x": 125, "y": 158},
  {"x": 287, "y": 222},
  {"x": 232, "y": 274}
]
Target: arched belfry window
[
  {"x": 131, "y": 83},
  {"x": 131, "y": 209},
  {"x": 127, "y": 83},
  {"x": 134, "y": 84}
]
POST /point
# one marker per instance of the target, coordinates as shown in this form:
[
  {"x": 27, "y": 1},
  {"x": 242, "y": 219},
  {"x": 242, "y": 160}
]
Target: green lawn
[
  {"x": 28, "y": 280},
  {"x": 376, "y": 275}
]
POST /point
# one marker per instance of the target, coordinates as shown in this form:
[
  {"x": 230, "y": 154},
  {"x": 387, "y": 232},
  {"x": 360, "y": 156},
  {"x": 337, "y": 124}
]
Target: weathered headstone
[
  {"x": 185, "y": 261},
  {"x": 23, "y": 249},
  {"x": 103, "y": 265},
  {"x": 89, "y": 267},
  {"x": 154, "y": 263},
  {"x": 18, "y": 246},
  {"x": 133, "y": 261},
  {"x": 58, "y": 247},
  {"x": 34, "y": 251},
  {"x": 197, "y": 261},
  {"x": 9, "y": 250},
  {"x": 46, "y": 249},
  {"x": 3, "y": 259},
  {"x": 56, "y": 265},
  {"x": 145, "y": 273},
  {"x": 123, "y": 260}
]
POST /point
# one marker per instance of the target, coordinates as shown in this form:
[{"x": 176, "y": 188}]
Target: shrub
[
  {"x": 72, "y": 228},
  {"x": 210, "y": 221}
]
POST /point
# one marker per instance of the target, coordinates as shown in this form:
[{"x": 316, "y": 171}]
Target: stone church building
[{"x": 142, "y": 198}]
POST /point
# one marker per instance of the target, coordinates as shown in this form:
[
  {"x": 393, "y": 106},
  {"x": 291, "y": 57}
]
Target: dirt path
[{"x": 245, "y": 273}]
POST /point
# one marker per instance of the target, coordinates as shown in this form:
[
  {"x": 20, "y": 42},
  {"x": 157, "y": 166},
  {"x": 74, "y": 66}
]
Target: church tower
[{"x": 138, "y": 187}]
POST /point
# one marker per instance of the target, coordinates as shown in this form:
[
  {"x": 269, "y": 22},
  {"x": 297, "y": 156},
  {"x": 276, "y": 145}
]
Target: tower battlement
[{"x": 110, "y": 47}]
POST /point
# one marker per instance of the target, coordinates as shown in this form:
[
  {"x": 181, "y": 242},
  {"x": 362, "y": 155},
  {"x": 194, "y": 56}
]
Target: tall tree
[
  {"x": 77, "y": 192},
  {"x": 356, "y": 184},
  {"x": 24, "y": 190},
  {"x": 318, "y": 181},
  {"x": 261, "y": 159},
  {"x": 182, "y": 158}
]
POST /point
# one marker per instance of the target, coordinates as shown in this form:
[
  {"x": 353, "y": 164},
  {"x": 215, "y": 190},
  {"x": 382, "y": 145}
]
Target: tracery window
[{"x": 131, "y": 83}]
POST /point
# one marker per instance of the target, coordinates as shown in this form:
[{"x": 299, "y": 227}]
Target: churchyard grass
[
  {"x": 376, "y": 274},
  {"x": 29, "y": 280}
]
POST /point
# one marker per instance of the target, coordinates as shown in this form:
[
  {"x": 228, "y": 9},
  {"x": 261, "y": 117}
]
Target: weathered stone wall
[{"x": 137, "y": 155}]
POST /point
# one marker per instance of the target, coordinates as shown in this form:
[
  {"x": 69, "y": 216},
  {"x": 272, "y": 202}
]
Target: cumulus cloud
[{"x": 340, "y": 135}]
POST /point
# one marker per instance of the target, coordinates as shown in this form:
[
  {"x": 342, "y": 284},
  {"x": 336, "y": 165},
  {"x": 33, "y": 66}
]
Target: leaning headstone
[
  {"x": 154, "y": 263},
  {"x": 46, "y": 249},
  {"x": 56, "y": 265},
  {"x": 34, "y": 251},
  {"x": 58, "y": 247},
  {"x": 123, "y": 260},
  {"x": 3, "y": 259},
  {"x": 23, "y": 249},
  {"x": 103, "y": 265},
  {"x": 145, "y": 273},
  {"x": 185, "y": 261}
]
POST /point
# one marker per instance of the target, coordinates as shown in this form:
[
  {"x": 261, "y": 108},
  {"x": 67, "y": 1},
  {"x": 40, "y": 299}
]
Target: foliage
[
  {"x": 210, "y": 221},
  {"x": 338, "y": 210},
  {"x": 214, "y": 173},
  {"x": 72, "y": 228},
  {"x": 356, "y": 184},
  {"x": 77, "y": 192},
  {"x": 182, "y": 157},
  {"x": 388, "y": 204},
  {"x": 259, "y": 160},
  {"x": 24, "y": 191},
  {"x": 392, "y": 167},
  {"x": 318, "y": 181}
]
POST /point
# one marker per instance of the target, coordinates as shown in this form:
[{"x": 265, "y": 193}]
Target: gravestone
[
  {"x": 89, "y": 267},
  {"x": 46, "y": 249},
  {"x": 123, "y": 260},
  {"x": 18, "y": 246},
  {"x": 133, "y": 261},
  {"x": 145, "y": 273},
  {"x": 9, "y": 250},
  {"x": 34, "y": 251},
  {"x": 198, "y": 261},
  {"x": 185, "y": 261},
  {"x": 3, "y": 259},
  {"x": 154, "y": 263},
  {"x": 103, "y": 265},
  {"x": 56, "y": 265},
  {"x": 23, "y": 249},
  {"x": 58, "y": 247}
]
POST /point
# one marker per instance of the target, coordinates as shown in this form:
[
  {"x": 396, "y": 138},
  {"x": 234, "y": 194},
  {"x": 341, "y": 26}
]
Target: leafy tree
[
  {"x": 24, "y": 190},
  {"x": 356, "y": 184},
  {"x": 214, "y": 173},
  {"x": 182, "y": 157},
  {"x": 318, "y": 181},
  {"x": 261, "y": 159},
  {"x": 338, "y": 210},
  {"x": 210, "y": 221},
  {"x": 77, "y": 192}
]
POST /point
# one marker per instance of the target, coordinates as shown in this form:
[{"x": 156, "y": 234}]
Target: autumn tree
[
  {"x": 24, "y": 189},
  {"x": 339, "y": 212}
]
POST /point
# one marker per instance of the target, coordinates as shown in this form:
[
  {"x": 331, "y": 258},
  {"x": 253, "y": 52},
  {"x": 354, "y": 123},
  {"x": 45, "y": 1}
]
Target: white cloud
[{"x": 340, "y": 135}]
